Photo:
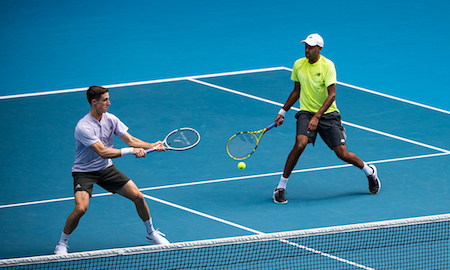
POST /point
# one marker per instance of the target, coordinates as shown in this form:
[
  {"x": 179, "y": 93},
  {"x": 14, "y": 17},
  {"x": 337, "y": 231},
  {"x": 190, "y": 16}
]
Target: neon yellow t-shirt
[{"x": 314, "y": 80}]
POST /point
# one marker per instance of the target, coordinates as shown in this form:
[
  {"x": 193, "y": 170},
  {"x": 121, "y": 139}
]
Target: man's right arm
[{"x": 293, "y": 97}]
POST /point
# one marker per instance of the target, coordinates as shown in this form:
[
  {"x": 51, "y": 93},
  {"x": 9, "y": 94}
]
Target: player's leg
[
  {"x": 131, "y": 191},
  {"x": 349, "y": 157},
  {"x": 370, "y": 170},
  {"x": 301, "y": 142},
  {"x": 81, "y": 206},
  {"x": 333, "y": 134},
  {"x": 302, "y": 139}
]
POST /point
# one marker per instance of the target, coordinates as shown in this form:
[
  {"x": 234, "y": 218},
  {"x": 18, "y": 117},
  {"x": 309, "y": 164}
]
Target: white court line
[
  {"x": 232, "y": 73},
  {"x": 203, "y": 214},
  {"x": 211, "y": 76},
  {"x": 397, "y": 137},
  {"x": 297, "y": 109},
  {"x": 254, "y": 231},
  {"x": 232, "y": 179},
  {"x": 387, "y": 96},
  {"x": 236, "y": 92}
]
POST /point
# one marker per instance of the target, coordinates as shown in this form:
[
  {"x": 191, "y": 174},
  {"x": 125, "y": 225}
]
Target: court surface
[
  {"x": 220, "y": 67},
  {"x": 201, "y": 194}
]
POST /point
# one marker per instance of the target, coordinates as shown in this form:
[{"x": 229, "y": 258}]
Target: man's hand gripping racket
[
  {"x": 243, "y": 144},
  {"x": 179, "y": 140}
]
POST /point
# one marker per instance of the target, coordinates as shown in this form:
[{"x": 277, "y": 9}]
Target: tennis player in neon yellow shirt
[{"x": 315, "y": 88}]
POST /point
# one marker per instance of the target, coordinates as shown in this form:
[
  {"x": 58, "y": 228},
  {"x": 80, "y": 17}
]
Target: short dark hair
[{"x": 95, "y": 92}]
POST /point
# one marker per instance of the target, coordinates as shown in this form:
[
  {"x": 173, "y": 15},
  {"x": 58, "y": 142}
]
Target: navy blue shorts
[
  {"x": 110, "y": 179},
  {"x": 329, "y": 128}
]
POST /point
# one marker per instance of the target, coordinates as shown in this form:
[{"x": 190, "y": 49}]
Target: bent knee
[
  {"x": 344, "y": 155},
  {"x": 138, "y": 197},
  {"x": 80, "y": 210}
]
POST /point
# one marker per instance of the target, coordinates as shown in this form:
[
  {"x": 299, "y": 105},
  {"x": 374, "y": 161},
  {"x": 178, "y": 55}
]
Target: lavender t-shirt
[{"x": 89, "y": 131}]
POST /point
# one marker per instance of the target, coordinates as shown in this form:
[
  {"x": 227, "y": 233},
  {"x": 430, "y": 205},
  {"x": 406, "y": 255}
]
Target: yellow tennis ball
[{"x": 241, "y": 165}]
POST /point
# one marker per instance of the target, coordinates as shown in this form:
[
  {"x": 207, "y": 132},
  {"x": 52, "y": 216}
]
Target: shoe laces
[{"x": 280, "y": 192}]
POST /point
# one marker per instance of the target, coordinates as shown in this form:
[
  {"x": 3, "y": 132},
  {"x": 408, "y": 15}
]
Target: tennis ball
[{"x": 241, "y": 165}]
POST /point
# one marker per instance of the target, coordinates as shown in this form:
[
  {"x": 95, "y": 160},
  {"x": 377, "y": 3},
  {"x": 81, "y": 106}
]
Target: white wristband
[
  {"x": 127, "y": 151},
  {"x": 282, "y": 112}
]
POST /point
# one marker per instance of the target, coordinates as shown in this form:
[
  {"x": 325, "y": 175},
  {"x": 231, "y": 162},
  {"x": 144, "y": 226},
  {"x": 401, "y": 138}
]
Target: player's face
[
  {"x": 103, "y": 103},
  {"x": 312, "y": 53}
]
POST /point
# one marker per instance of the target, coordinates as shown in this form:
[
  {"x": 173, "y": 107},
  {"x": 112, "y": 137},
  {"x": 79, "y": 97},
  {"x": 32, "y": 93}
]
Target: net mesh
[{"x": 420, "y": 243}]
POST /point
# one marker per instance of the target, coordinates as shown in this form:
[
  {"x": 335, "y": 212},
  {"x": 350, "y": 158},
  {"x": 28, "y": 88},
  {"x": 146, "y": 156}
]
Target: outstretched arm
[{"x": 293, "y": 97}]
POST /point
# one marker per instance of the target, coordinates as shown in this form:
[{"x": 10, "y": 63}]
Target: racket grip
[
  {"x": 148, "y": 151},
  {"x": 274, "y": 124}
]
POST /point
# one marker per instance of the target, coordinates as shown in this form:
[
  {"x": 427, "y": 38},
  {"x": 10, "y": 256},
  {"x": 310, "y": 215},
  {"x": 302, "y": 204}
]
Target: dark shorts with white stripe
[{"x": 329, "y": 128}]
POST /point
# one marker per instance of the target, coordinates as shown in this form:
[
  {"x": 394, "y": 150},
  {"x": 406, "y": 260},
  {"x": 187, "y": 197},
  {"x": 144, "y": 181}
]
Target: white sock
[
  {"x": 64, "y": 238},
  {"x": 283, "y": 182},
  {"x": 149, "y": 226},
  {"x": 367, "y": 170}
]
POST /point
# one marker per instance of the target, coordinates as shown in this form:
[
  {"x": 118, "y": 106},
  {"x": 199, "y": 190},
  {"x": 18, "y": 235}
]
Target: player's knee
[
  {"x": 299, "y": 146},
  {"x": 139, "y": 197},
  {"x": 344, "y": 155},
  {"x": 80, "y": 210}
]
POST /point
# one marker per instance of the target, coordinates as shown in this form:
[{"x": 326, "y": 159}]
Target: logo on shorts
[
  {"x": 342, "y": 140},
  {"x": 78, "y": 186},
  {"x": 318, "y": 74}
]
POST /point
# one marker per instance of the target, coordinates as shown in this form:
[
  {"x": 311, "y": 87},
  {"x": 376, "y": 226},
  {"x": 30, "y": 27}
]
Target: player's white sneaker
[
  {"x": 61, "y": 248},
  {"x": 156, "y": 237},
  {"x": 374, "y": 181}
]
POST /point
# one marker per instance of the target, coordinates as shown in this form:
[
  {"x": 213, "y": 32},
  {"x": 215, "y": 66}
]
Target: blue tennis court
[
  {"x": 200, "y": 194},
  {"x": 188, "y": 73}
]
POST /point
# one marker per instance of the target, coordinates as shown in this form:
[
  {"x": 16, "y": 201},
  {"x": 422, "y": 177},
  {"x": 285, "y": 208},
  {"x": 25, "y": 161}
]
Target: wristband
[
  {"x": 127, "y": 151},
  {"x": 282, "y": 112}
]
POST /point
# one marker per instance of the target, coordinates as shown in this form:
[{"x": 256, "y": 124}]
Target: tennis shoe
[
  {"x": 61, "y": 248},
  {"x": 374, "y": 181},
  {"x": 278, "y": 196},
  {"x": 156, "y": 237}
]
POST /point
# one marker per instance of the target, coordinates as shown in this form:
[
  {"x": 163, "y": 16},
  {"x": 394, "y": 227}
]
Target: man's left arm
[
  {"x": 330, "y": 99},
  {"x": 137, "y": 143}
]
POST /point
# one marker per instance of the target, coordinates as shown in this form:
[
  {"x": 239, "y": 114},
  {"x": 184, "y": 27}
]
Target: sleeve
[
  {"x": 330, "y": 77},
  {"x": 86, "y": 136},
  {"x": 294, "y": 75}
]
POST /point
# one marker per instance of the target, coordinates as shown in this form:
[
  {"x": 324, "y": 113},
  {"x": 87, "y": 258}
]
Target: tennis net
[{"x": 414, "y": 243}]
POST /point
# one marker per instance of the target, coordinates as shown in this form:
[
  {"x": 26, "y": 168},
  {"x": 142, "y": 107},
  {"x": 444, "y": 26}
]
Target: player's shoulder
[
  {"x": 326, "y": 61},
  {"x": 111, "y": 116},
  {"x": 85, "y": 120},
  {"x": 299, "y": 63}
]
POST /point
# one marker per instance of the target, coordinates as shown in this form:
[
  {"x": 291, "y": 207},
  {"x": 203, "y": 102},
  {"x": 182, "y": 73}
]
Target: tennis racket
[
  {"x": 180, "y": 139},
  {"x": 243, "y": 144}
]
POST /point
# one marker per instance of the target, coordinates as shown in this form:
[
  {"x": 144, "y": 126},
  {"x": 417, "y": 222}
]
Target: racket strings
[
  {"x": 242, "y": 145},
  {"x": 183, "y": 138}
]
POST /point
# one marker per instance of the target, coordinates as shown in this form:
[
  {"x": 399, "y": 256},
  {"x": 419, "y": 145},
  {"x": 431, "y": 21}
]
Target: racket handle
[
  {"x": 274, "y": 124},
  {"x": 153, "y": 149},
  {"x": 148, "y": 151}
]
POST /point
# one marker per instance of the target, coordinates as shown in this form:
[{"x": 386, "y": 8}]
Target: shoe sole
[
  {"x": 378, "y": 180},
  {"x": 277, "y": 202}
]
